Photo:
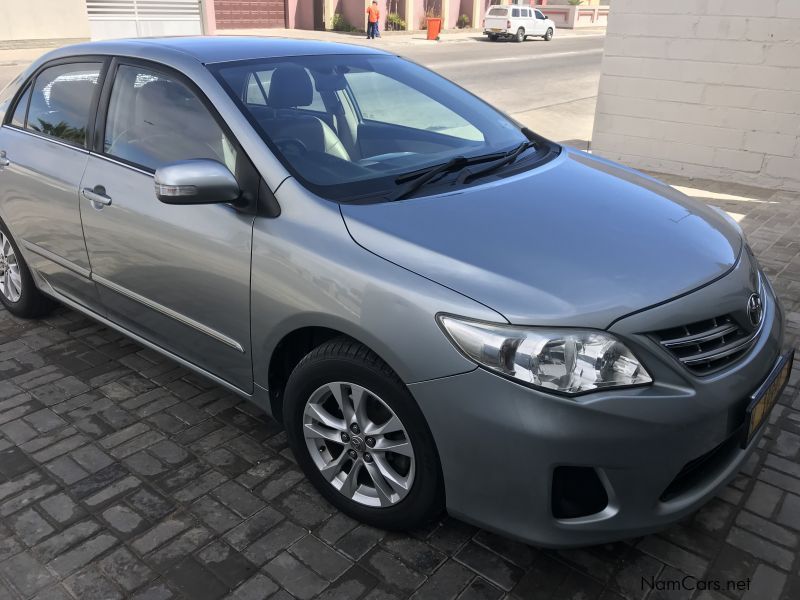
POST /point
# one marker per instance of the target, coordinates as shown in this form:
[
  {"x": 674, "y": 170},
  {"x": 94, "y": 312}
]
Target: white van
[{"x": 517, "y": 22}]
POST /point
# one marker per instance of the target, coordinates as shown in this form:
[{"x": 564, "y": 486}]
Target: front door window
[{"x": 154, "y": 120}]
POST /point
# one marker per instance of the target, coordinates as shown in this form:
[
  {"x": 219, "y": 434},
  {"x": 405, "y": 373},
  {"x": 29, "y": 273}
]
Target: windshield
[{"x": 348, "y": 125}]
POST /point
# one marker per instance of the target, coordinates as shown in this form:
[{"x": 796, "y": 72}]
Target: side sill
[{"x": 199, "y": 370}]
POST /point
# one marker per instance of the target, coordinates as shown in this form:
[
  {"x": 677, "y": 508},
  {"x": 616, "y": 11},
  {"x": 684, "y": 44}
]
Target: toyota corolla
[{"x": 444, "y": 309}]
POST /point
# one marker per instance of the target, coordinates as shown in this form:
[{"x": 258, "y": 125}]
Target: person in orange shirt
[{"x": 373, "y": 16}]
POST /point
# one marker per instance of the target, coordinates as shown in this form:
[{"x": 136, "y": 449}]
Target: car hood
[{"x": 579, "y": 241}]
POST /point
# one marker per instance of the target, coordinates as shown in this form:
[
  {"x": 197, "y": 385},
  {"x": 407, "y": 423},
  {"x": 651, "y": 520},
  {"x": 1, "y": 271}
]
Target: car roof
[{"x": 216, "y": 49}]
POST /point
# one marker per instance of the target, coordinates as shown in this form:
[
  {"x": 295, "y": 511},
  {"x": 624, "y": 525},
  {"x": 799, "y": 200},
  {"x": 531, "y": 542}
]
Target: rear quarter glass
[{"x": 7, "y": 95}]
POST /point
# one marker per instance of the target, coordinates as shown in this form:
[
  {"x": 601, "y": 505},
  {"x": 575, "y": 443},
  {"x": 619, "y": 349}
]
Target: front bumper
[{"x": 499, "y": 442}]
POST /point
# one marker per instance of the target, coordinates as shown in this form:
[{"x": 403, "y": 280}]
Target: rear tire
[
  {"x": 18, "y": 293},
  {"x": 338, "y": 394},
  {"x": 549, "y": 35},
  {"x": 520, "y": 37}
]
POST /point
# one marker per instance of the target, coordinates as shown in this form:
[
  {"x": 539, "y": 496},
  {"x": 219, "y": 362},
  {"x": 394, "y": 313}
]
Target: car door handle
[{"x": 96, "y": 196}]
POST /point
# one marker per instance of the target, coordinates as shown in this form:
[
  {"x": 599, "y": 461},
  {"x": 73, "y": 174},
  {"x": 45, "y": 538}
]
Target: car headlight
[{"x": 569, "y": 361}]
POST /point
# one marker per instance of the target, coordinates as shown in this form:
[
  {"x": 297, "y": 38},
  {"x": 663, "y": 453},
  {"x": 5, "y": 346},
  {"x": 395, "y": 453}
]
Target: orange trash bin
[{"x": 434, "y": 28}]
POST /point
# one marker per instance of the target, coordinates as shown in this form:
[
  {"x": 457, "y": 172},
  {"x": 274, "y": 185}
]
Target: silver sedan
[{"x": 444, "y": 309}]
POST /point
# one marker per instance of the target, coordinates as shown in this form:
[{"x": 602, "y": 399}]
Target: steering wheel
[{"x": 292, "y": 147}]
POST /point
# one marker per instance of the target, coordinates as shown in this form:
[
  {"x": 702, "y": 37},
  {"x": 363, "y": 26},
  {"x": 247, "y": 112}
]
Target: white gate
[{"x": 143, "y": 18}]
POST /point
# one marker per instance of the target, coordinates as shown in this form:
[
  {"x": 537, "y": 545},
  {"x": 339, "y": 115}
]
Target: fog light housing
[{"x": 577, "y": 492}]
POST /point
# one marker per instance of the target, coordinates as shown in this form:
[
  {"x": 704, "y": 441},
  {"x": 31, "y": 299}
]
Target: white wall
[
  {"x": 42, "y": 20},
  {"x": 703, "y": 88}
]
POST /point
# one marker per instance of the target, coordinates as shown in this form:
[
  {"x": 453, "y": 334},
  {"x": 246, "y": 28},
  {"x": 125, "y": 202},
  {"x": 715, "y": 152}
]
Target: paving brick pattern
[{"x": 123, "y": 475}]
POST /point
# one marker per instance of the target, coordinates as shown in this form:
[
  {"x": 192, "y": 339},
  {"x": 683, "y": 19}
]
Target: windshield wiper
[
  {"x": 454, "y": 164},
  {"x": 507, "y": 159},
  {"x": 414, "y": 181}
]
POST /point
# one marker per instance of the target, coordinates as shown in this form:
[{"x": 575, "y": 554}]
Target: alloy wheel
[
  {"x": 359, "y": 444},
  {"x": 10, "y": 276}
]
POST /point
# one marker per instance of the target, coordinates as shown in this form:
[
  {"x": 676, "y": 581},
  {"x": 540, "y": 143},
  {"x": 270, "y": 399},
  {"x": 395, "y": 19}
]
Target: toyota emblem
[{"x": 755, "y": 310}]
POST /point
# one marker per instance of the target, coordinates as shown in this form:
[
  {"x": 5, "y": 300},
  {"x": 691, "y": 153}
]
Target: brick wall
[{"x": 703, "y": 88}]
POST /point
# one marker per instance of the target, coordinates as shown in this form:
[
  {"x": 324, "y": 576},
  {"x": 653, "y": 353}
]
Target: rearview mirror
[{"x": 197, "y": 181}]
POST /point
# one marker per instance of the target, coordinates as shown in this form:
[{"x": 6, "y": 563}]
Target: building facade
[
  {"x": 47, "y": 22},
  {"x": 42, "y": 22},
  {"x": 703, "y": 88}
]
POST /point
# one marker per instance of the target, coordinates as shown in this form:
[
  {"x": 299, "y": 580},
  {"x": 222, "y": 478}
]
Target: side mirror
[{"x": 197, "y": 181}]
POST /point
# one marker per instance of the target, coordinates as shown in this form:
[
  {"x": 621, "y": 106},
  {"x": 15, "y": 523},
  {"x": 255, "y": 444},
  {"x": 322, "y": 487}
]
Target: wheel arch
[{"x": 295, "y": 343}]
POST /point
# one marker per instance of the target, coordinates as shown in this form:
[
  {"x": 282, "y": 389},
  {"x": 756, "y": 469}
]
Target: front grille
[{"x": 708, "y": 345}]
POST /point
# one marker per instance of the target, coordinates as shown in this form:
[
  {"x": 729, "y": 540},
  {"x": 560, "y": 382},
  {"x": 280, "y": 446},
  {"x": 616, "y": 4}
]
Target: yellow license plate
[
  {"x": 496, "y": 29},
  {"x": 767, "y": 396}
]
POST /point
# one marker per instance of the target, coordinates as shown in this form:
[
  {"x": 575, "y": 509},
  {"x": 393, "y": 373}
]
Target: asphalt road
[{"x": 549, "y": 86}]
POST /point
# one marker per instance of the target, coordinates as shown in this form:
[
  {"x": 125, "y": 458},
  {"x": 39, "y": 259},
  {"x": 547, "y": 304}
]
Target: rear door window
[{"x": 61, "y": 101}]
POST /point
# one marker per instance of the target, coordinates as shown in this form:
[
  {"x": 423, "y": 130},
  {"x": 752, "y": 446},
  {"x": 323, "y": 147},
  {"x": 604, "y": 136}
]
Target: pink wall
[
  {"x": 452, "y": 17},
  {"x": 399, "y": 7},
  {"x": 419, "y": 10},
  {"x": 466, "y": 9},
  {"x": 209, "y": 19},
  {"x": 300, "y": 14},
  {"x": 354, "y": 12}
]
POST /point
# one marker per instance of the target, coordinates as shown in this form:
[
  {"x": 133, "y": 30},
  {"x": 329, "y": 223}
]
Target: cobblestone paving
[{"x": 123, "y": 475}]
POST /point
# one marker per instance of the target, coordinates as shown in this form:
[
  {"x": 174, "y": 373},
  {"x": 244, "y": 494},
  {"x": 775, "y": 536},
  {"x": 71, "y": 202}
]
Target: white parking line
[{"x": 526, "y": 57}]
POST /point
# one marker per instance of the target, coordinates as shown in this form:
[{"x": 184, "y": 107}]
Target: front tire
[
  {"x": 520, "y": 37},
  {"x": 549, "y": 35},
  {"x": 360, "y": 438},
  {"x": 18, "y": 293}
]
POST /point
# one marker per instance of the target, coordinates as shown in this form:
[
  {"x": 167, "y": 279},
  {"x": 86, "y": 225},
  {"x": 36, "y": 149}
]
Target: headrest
[
  {"x": 159, "y": 94},
  {"x": 290, "y": 87},
  {"x": 168, "y": 106}
]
